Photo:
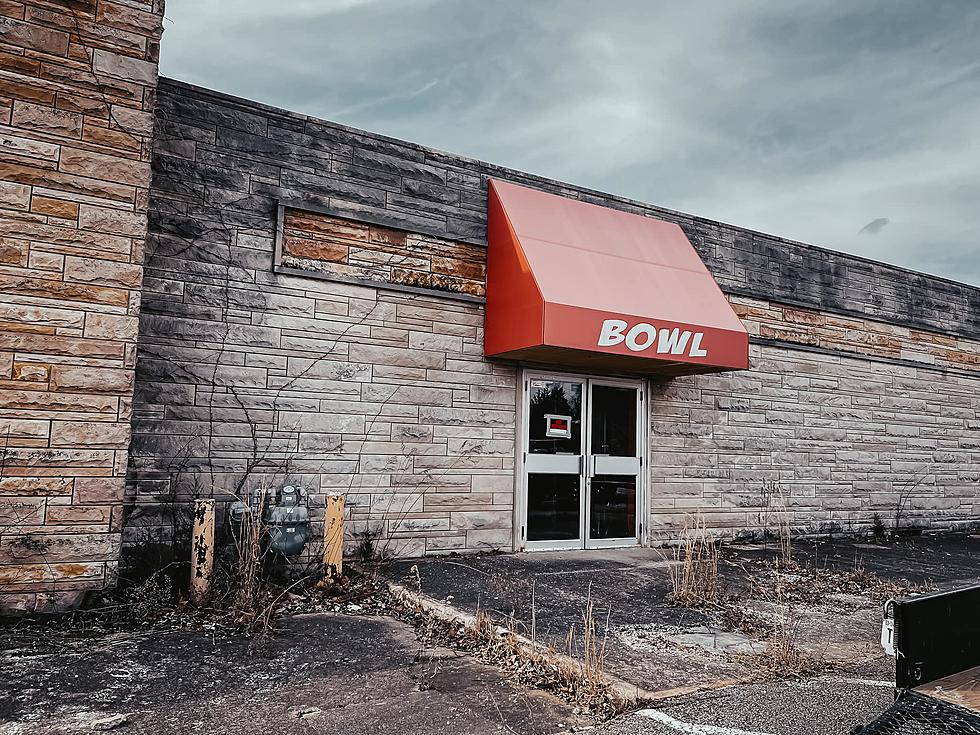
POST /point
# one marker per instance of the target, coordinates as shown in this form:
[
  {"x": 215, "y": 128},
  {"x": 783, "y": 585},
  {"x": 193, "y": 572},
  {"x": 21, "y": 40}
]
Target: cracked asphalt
[{"x": 322, "y": 673}]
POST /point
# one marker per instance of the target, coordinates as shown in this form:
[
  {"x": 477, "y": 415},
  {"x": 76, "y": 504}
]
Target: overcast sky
[{"x": 851, "y": 125}]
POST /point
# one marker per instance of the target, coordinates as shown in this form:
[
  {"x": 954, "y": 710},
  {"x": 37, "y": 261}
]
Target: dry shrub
[
  {"x": 694, "y": 576},
  {"x": 783, "y": 658}
]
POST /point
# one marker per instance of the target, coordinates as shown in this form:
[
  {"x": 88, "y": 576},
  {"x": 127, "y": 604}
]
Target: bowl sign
[
  {"x": 641, "y": 337},
  {"x": 557, "y": 426}
]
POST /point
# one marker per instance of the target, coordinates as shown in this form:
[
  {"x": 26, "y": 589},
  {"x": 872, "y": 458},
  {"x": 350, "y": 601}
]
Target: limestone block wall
[
  {"x": 829, "y": 437},
  {"x": 322, "y": 361},
  {"x": 77, "y": 89}
]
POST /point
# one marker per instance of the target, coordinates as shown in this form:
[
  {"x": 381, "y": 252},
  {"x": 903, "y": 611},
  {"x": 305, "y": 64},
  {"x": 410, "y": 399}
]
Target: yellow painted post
[
  {"x": 333, "y": 537},
  {"x": 202, "y": 551}
]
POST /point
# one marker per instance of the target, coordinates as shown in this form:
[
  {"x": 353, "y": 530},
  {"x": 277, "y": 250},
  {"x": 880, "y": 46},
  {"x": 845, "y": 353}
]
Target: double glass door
[{"x": 582, "y": 462}]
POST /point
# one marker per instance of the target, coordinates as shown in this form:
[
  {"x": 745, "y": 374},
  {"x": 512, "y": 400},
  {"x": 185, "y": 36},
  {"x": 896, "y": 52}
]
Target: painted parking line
[
  {"x": 858, "y": 682},
  {"x": 689, "y": 728}
]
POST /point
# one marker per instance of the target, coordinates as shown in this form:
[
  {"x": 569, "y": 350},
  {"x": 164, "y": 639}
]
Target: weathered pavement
[
  {"x": 322, "y": 673},
  {"x": 823, "y": 706},
  {"x": 660, "y": 647}
]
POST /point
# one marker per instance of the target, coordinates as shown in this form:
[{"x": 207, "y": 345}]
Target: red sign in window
[{"x": 558, "y": 426}]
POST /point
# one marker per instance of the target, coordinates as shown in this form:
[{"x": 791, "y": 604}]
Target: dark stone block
[{"x": 411, "y": 169}]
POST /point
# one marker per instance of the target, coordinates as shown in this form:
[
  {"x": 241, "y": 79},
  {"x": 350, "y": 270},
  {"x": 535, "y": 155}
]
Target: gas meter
[{"x": 287, "y": 519}]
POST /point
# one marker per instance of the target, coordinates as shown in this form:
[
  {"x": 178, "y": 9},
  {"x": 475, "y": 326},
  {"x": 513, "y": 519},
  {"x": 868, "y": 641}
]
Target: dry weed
[
  {"x": 578, "y": 677},
  {"x": 694, "y": 576}
]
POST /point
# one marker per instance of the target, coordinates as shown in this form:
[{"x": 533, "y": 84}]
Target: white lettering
[
  {"x": 642, "y": 336},
  {"x": 632, "y": 337},
  {"x": 696, "y": 350},
  {"x": 672, "y": 341},
  {"x": 612, "y": 332}
]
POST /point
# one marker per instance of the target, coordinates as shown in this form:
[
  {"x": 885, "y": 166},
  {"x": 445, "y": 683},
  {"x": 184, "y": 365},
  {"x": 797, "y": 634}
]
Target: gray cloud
[
  {"x": 797, "y": 118},
  {"x": 874, "y": 226}
]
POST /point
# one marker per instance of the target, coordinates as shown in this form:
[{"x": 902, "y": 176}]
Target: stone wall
[
  {"x": 354, "y": 252},
  {"x": 76, "y": 109},
  {"x": 832, "y": 438},
  {"x": 253, "y": 368}
]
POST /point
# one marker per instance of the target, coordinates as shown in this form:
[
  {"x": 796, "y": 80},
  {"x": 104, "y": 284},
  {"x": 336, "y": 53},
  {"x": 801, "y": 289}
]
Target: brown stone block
[
  {"x": 110, "y": 138},
  {"x": 7, "y": 326},
  {"x": 22, "y": 429},
  {"x": 49, "y": 289},
  {"x": 65, "y": 235},
  {"x": 94, "y": 106},
  {"x": 57, "y": 345},
  {"x": 114, "y": 221},
  {"x": 130, "y": 19},
  {"x": 46, "y": 119},
  {"x": 54, "y": 207},
  {"x": 30, "y": 371},
  {"x": 77, "y": 74},
  {"x": 37, "y": 319},
  {"x": 13, "y": 252},
  {"x": 100, "y": 166},
  {"x": 89, "y": 434},
  {"x": 325, "y": 226},
  {"x": 786, "y": 335},
  {"x": 315, "y": 249},
  {"x": 26, "y": 91},
  {"x": 77, "y": 51},
  {"x": 135, "y": 122},
  {"x": 60, "y": 547},
  {"x": 49, "y": 486},
  {"x": 14, "y": 196},
  {"x": 6, "y": 364},
  {"x": 103, "y": 272},
  {"x": 17, "y": 513},
  {"x": 436, "y": 281},
  {"x": 34, "y": 573},
  {"x": 12, "y": 9},
  {"x": 42, "y": 400},
  {"x": 34, "y": 176},
  {"x": 49, "y": 461},
  {"x": 99, "y": 489},
  {"x": 963, "y": 358},
  {"x": 33, "y": 36},
  {"x": 939, "y": 339},
  {"x": 74, "y": 378},
  {"x": 69, "y": 514},
  {"x": 19, "y": 64},
  {"x": 111, "y": 326},
  {"x": 468, "y": 269},
  {"x": 124, "y": 67},
  {"x": 384, "y": 236},
  {"x": 39, "y": 259}
]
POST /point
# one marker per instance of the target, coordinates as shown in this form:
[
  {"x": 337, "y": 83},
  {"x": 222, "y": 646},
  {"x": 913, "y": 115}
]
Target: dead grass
[
  {"x": 783, "y": 658},
  {"x": 577, "y": 675},
  {"x": 814, "y": 585},
  {"x": 694, "y": 576}
]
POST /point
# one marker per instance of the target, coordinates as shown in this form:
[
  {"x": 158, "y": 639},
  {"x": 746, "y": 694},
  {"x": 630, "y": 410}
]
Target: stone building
[
  {"x": 316, "y": 305},
  {"x": 77, "y": 87}
]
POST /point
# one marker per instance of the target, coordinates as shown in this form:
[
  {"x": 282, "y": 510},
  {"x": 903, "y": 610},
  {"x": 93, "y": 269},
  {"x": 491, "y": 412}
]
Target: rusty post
[
  {"x": 202, "y": 551},
  {"x": 333, "y": 537}
]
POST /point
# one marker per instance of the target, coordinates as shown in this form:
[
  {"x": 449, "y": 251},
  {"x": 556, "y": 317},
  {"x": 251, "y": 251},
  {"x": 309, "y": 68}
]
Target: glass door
[
  {"x": 582, "y": 466},
  {"x": 553, "y": 462},
  {"x": 613, "y": 468}
]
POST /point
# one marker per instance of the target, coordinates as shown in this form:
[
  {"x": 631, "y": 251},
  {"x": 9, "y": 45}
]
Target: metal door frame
[
  {"x": 583, "y": 541},
  {"x": 641, "y": 445}
]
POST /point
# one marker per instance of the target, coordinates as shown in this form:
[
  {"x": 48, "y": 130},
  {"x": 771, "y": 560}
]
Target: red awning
[{"x": 575, "y": 284}]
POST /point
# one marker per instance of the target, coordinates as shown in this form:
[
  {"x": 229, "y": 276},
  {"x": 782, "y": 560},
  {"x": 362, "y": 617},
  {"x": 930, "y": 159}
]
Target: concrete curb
[{"x": 625, "y": 696}]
